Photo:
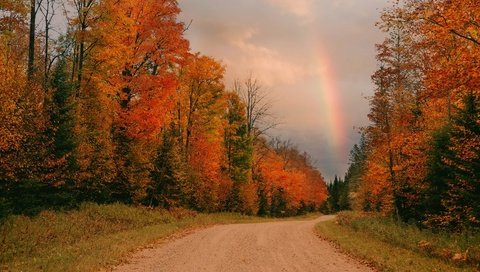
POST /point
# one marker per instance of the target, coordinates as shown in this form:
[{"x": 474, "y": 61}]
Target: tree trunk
[
  {"x": 80, "y": 61},
  {"x": 31, "y": 40}
]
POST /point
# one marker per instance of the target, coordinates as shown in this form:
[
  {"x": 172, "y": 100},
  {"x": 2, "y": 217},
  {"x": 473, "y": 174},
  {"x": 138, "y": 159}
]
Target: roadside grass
[
  {"x": 95, "y": 237},
  {"x": 392, "y": 246}
]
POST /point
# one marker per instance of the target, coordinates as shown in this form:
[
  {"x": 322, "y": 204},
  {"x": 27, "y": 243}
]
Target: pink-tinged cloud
[
  {"x": 301, "y": 8},
  {"x": 267, "y": 64}
]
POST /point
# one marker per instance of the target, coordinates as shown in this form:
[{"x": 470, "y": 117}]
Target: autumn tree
[
  {"x": 12, "y": 38},
  {"x": 202, "y": 88},
  {"x": 24, "y": 159},
  {"x": 13, "y": 29},
  {"x": 289, "y": 182},
  {"x": 200, "y": 119},
  {"x": 136, "y": 47},
  {"x": 394, "y": 136}
]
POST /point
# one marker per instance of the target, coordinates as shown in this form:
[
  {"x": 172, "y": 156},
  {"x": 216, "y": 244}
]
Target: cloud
[
  {"x": 266, "y": 63},
  {"x": 301, "y": 8}
]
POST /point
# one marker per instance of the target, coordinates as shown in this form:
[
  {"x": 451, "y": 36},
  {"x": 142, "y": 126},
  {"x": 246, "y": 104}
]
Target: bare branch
[
  {"x": 257, "y": 105},
  {"x": 185, "y": 29}
]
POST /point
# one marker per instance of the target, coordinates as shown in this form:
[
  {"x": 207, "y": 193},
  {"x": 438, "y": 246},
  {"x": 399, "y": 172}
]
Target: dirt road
[{"x": 273, "y": 246}]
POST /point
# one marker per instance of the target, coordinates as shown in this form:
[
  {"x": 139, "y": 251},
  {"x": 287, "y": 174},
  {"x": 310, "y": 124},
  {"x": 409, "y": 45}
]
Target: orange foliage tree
[
  {"x": 200, "y": 105},
  {"x": 288, "y": 181},
  {"x": 138, "y": 47}
]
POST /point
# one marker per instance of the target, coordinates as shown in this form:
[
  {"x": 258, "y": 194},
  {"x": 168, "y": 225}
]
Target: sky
[{"x": 314, "y": 58}]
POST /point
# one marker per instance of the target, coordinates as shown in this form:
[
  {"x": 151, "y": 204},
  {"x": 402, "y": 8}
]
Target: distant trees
[
  {"x": 338, "y": 196},
  {"x": 346, "y": 194},
  {"x": 288, "y": 182},
  {"x": 117, "y": 109}
]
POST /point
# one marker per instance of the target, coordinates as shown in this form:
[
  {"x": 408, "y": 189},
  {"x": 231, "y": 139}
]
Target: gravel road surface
[{"x": 271, "y": 246}]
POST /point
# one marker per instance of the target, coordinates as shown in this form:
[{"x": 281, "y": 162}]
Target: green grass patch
[
  {"x": 394, "y": 246},
  {"x": 94, "y": 237}
]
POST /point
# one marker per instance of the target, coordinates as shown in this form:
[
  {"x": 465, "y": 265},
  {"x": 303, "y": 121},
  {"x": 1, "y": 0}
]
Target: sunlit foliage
[{"x": 117, "y": 109}]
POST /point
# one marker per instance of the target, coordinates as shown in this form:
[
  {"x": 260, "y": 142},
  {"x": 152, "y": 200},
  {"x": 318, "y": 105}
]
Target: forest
[
  {"x": 419, "y": 159},
  {"x": 116, "y": 138},
  {"x": 117, "y": 108}
]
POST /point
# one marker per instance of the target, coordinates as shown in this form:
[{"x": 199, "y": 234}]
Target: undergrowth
[
  {"x": 388, "y": 244},
  {"x": 92, "y": 237}
]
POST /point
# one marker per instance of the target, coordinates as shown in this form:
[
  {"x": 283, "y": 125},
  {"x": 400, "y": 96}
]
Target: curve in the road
[{"x": 272, "y": 246}]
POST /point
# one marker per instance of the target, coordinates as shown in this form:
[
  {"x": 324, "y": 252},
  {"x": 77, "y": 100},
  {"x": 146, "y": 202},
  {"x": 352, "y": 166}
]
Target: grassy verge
[
  {"x": 391, "y": 246},
  {"x": 94, "y": 237}
]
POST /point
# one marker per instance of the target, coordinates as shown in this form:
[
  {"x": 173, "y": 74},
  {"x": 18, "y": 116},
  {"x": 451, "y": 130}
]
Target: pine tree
[
  {"x": 454, "y": 198},
  {"x": 170, "y": 180},
  {"x": 239, "y": 148},
  {"x": 358, "y": 157},
  {"x": 62, "y": 115}
]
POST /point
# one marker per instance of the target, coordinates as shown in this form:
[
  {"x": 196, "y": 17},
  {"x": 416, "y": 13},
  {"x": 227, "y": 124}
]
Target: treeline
[
  {"x": 118, "y": 109},
  {"x": 419, "y": 160},
  {"x": 338, "y": 197},
  {"x": 342, "y": 192}
]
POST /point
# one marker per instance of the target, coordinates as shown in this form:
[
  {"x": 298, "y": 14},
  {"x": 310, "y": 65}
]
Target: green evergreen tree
[
  {"x": 334, "y": 194},
  {"x": 358, "y": 156},
  {"x": 263, "y": 205},
  {"x": 343, "y": 198},
  {"x": 453, "y": 200},
  {"x": 170, "y": 178},
  {"x": 62, "y": 115},
  {"x": 278, "y": 208},
  {"x": 239, "y": 148},
  {"x": 439, "y": 175}
]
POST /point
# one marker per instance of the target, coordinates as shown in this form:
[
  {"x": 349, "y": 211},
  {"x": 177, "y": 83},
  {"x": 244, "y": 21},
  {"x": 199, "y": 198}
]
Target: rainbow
[{"x": 332, "y": 109}]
